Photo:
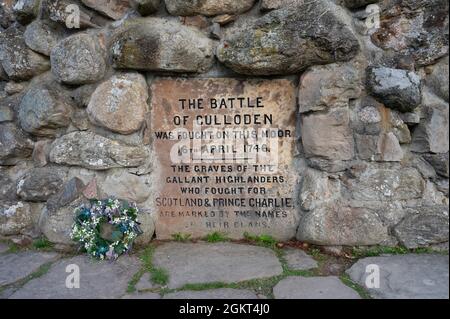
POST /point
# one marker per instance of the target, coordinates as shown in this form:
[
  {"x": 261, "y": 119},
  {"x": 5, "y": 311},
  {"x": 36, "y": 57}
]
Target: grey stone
[
  {"x": 14, "y": 144},
  {"x": 17, "y": 218},
  {"x": 161, "y": 45},
  {"x": 298, "y": 260},
  {"x": 317, "y": 188},
  {"x": 313, "y": 288},
  {"x": 289, "y": 40},
  {"x": 58, "y": 215},
  {"x": 328, "y": 135},
  {"x": 383, "y": 185},
  {"x": 213, "y": 294},
  {"x": 98, "y": 280},
  {"x": 142, "y": 295},
  {"x": 121, "y": 184},
  {"x": 45, "y": 110},
  {"x": 6, "y": 113},
  {"x": 6, "y": 14},
  {"x": 267, "y": 5},
  {"x": 440, "y": 163},
  {"x": 432, "y": 133},
  {"x": 19, "y": 62},
  {"x": 17, "y": 266},
  {"x": 26, "y": 10},
  {"x": 120, "y": 103},
  {"x": 39, "y": 184},
  {"x": 438, "y": 79},
  {"x": 207, "y": 7},
  {"x": 352, "y": 4},
  {"x": 57, "y": 11},
  {"x": 7, "y": 186},
  {"x": 147, "y": 7},
  {"x": 42, "y": 36},
  {"x": 397, "y": 89},
  {"x": 388, "y": 146},
  {"x": 93, "y": 151},
  {"x": 333, "y": 85},
  {"x": 411, "y": 276},
  {"x": 79, "y": 59},
  {"x": 340, "y": 224},
  {"x": 223, "y": 262},
  {"x": 405, "y": 22},
  {"x": 423, "y": 226},
  {"x": 115, "y": 9}
]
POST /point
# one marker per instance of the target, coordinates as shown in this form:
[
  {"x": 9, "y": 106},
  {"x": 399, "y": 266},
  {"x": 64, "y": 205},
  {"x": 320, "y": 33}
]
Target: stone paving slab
[
  {"x": 222, "y": 293},
  {"x": 412, "y": 276},
  {"x": 142, "y": 295},
  {"x": 17, "y": 266},
  {"x": 220, "y": 262},
  {"x": 144, "y": 282},
  {"x": 3, "y": 247},
  {"x": 313, "y": 288},
  {"x": 98, "y": 280},
  {"x": 297, "y": 259}
]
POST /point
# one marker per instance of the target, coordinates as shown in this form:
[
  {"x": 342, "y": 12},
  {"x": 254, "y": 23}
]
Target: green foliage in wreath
[{"x": 107, "y": 228}]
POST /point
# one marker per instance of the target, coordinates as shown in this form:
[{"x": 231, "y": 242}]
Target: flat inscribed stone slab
[{"x": 224, "y": 151}]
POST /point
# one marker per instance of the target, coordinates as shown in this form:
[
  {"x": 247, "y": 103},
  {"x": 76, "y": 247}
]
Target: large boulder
[
  {"x": 207, "y": 7},
  {"x": 416, "y": 29},
  {"x": 39, "y": 184},
  {"x": 123, "y": 185},
  {"x": 328, "y": 135},
  {"x": 79, "y": 59},
  {"x": 14, "y": 145},
  {"x": 120, "y": 103},
  {"x": 397, "y": 89},
  {"x": 45, "y": 109},
  {"x": 58, "y": 215},
  {"x": 339, "y": 224},
  {"x": 96, "y": 152},
  {"x": 155, "y": 44},
  {"x": 288, "y": 40},
  {"x": 115, "y": 9},
  {"x": 423, "y": 226},
  {"x": 42, "y": 35},
  {"x": 19, "y": 62}
]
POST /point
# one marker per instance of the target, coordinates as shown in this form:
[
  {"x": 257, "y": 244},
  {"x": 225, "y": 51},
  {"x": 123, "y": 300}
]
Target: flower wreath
[{"x": 107, "y": 228}]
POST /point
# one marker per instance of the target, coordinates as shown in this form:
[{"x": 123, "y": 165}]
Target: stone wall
[{"x": 372, "y": 152}]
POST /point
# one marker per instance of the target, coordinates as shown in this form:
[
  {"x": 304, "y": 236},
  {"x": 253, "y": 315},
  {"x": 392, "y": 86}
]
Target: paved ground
[{"x": 219, "y": 271}]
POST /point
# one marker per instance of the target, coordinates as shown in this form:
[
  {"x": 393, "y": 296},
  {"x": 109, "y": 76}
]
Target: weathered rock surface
[
  {"x": 39, "y": 184},
  {"x": 313, "y": 288},
  {"x": 14, "y": 145},
  {"x": 121, "y": 184},
  {"x": 6, "y": 113},
  {"x": 423, "y": 226},
  {"x": 338, "y": 224},
  {"x": 403, "y": 23},
  {"x": 438, "y": 79},
  {"x": 298, "y": 260},
  {"x": 440, "y": 163},
  {"x": 328, "y": 135},
  {"x": 289, "y": 40},
  {"x": 323, "y": 87},
  {"x": 45, "y": 109},
  {"x": 120, "y": 103},
  {"x": 42, "y": 35},
  {"x": 432, "y": 133},
  {"x": 58, "y": 215},
  {"x": 114, "y": 9},
  {"x": 154, "y": 44},
  {"x": 207, "y": 7},
  {"x": 224, "y": 262},
  {"x": 17, "y": 266},
  {"x": 93, "y": 151},
  {"x": 267, "y": 5},
  {"x": 213, "y": 294},
  {"x": 19, "y": 62},
  {"x": 26, "y": 10},
  {"x": 406, "y": 276},
  {"x": 16, "y": 218},
  {"x": 98, "y": 280},
  {"x": 352, "y": 4},
  {"x": 397, "y": 89},
  {"x": 78, "y": 59},
  {"x": 7, "y": 186}
]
